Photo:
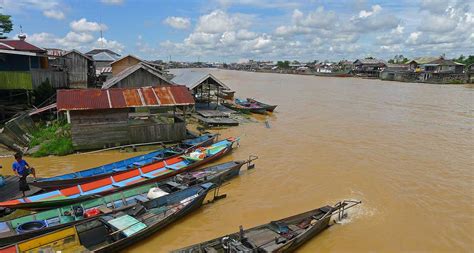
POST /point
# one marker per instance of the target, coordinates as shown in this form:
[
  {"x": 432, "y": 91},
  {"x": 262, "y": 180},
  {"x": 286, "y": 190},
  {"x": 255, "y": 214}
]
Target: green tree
[
  {"x": 43, "y": 92},
  {"x": 6, "y": 25},
  {"x": 283, "y": 64}
]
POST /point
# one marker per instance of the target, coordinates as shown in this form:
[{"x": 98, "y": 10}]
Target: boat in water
[
  {"x": 27, "y": 226},
  {"x": 124, "y": 180},
  {"x": 115, "y": 231},
  {"x": 283, "y": 235},
  {"x": 236, "y": 107},
  {"x": 253, "y": 107},
  {"x": 88, "y": 175},
  {"x": 267, "y": 107}
]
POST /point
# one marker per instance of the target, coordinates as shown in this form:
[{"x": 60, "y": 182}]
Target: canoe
[
  {"x": 254, "y": 108},
  {"x": 267, "y": 107},
  {"x": 71, "y": 179},
  {"x": 283, "y": 235},
  {"x": 236, "y": 107},
  {"x": 28, "y": 226},
  {"x": 123, "y": 180},
  {"x": 115, "y": 231}
]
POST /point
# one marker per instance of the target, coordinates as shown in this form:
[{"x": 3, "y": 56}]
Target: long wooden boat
[
  {"x": 267, "y": 107},
  {"x": 114, "y": 231},
  {"x": 236, "y": 107},
  {"x": 28, "y": 226},
  {"x": 254, "y": 108},
  {"x": 84, "y": 176},
  {"x": 283, "y": 235},
  {"x": 124, "y": 180}
]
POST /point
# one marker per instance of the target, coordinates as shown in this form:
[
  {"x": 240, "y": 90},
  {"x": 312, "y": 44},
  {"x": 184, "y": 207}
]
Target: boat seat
[
  {"x": 138, "y": 164},
  {"x": 172, "y": 168},
  {"x": 146, "y": 176},
  {"x": 119, "y": 184}
]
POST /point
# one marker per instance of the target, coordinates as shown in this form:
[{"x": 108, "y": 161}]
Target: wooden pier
[{"x": 11, "y": 188}]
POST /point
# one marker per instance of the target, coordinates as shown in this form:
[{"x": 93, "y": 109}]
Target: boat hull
[
  {"x": 290, "y": 245},
  {"x": 61, "y": 184},
  {"x": 52, "y": 203},
  {"x": 231, "y": 170},
  {"x": 267, "y": 107}
]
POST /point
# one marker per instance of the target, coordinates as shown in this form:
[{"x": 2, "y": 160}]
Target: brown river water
[{"x": 405, "y": 150}]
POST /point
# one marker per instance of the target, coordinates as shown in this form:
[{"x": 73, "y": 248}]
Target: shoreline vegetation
[{"x": 51, "y": 139}]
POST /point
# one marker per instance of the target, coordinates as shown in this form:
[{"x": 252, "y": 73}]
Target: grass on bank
[{"x": 52, "y": 139}]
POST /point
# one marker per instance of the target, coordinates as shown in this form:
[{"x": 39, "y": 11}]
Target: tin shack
[{"x": 121, "y": 116}]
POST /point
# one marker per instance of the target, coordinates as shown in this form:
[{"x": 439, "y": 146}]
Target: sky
[{"x": 239, "y": 30}]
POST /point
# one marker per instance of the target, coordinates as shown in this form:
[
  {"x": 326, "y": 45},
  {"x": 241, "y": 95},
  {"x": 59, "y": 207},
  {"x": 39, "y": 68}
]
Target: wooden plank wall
[
  {"x": 141, "y": 78},
  {"x": 108, "y": 128},
  {"x": 57, "y": 79},
  {"x": 78, "y": 70},
  {"x": 157, "y": 132},
  {"x": 99, "y": 129}
]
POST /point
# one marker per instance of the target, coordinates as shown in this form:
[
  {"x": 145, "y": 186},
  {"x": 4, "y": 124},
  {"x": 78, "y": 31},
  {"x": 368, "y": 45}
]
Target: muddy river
[{"x": 405, "y": 150}]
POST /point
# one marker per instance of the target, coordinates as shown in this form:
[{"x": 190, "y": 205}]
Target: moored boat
[
  {"x": 267, "y": 107},
  {"x": 283, "y": 235},
  {"x": 124, "y": 180},
  {"x": 84, "y": 176},
  {"x": 24, "y": 227},
  {"x": 254, "y": 108},
  {"x": 115, "y": 231},
  {"x": 236, "y": 107}
]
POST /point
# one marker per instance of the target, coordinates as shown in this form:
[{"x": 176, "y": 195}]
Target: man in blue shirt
[{"x": 21, "y": 167}]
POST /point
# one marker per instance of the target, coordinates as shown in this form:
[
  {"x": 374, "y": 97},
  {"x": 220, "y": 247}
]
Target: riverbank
[{"x": 407, "y": 77}]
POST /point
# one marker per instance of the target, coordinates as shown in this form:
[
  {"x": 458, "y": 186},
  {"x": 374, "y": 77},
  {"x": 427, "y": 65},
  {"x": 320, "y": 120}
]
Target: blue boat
[{"x": 88, "y": 175}]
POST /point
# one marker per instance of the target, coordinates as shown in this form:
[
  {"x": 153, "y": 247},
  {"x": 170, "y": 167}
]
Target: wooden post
[{"x": 68, "y": 117}]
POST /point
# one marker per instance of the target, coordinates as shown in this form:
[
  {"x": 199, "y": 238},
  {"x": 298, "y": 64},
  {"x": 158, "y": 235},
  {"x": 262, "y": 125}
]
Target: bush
[{"x": 54, "y": 139}]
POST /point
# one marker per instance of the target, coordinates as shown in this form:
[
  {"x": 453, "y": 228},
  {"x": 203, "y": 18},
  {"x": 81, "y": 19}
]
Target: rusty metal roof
[{"x": 92, "y": 99}]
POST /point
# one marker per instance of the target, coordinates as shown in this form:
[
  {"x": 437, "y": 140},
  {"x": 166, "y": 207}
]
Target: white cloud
[
  {"x": 112, "y": 2},
  {"x": 49, "y": 8},
  {"x": 70, "y": 41},
  {"x": 82, "y": 25},
  {"x": 178, "y": 22},
  {"x": 219, "y": 21},
  {"x": 109, "y": 44},
  {"x": 54, "y": 14},
  {"x": 268, "y": 4},
  {"x": 375, "y": 9}
]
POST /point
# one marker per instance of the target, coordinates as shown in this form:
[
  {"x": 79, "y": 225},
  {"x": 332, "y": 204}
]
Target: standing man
[{"x": 22, "y": 169}]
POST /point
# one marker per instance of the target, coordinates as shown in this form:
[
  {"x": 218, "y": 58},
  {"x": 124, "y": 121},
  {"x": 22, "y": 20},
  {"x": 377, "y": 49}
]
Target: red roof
[
  {"x": 19, "y": 45},
  {"x": 91, "y": 99}
]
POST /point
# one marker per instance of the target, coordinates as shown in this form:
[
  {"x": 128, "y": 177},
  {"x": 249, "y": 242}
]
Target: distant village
[{"x": 107, "y": 99}]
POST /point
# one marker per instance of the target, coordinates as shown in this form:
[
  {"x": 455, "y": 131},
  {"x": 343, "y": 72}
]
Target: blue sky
[{"x": 237, "y": 30}]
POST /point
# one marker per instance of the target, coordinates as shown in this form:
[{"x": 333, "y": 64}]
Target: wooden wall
[
  {"x": 141, "y": 78},
  {"x": 57, "y": 79},
  {"x": 77, "y": 66},
  {"x": 96, "y": 129},
  {"x": 124, "y": 63}
]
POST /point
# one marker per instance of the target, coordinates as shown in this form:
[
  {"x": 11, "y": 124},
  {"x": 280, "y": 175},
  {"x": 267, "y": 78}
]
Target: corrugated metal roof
[
  {"x": 192, "y": 79},
  {"x": 104, "y": 56},
  {"x": 130, "y": 70},
  {"x": 19, "y": 45},
  {"x": 91, "y": 99}
]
